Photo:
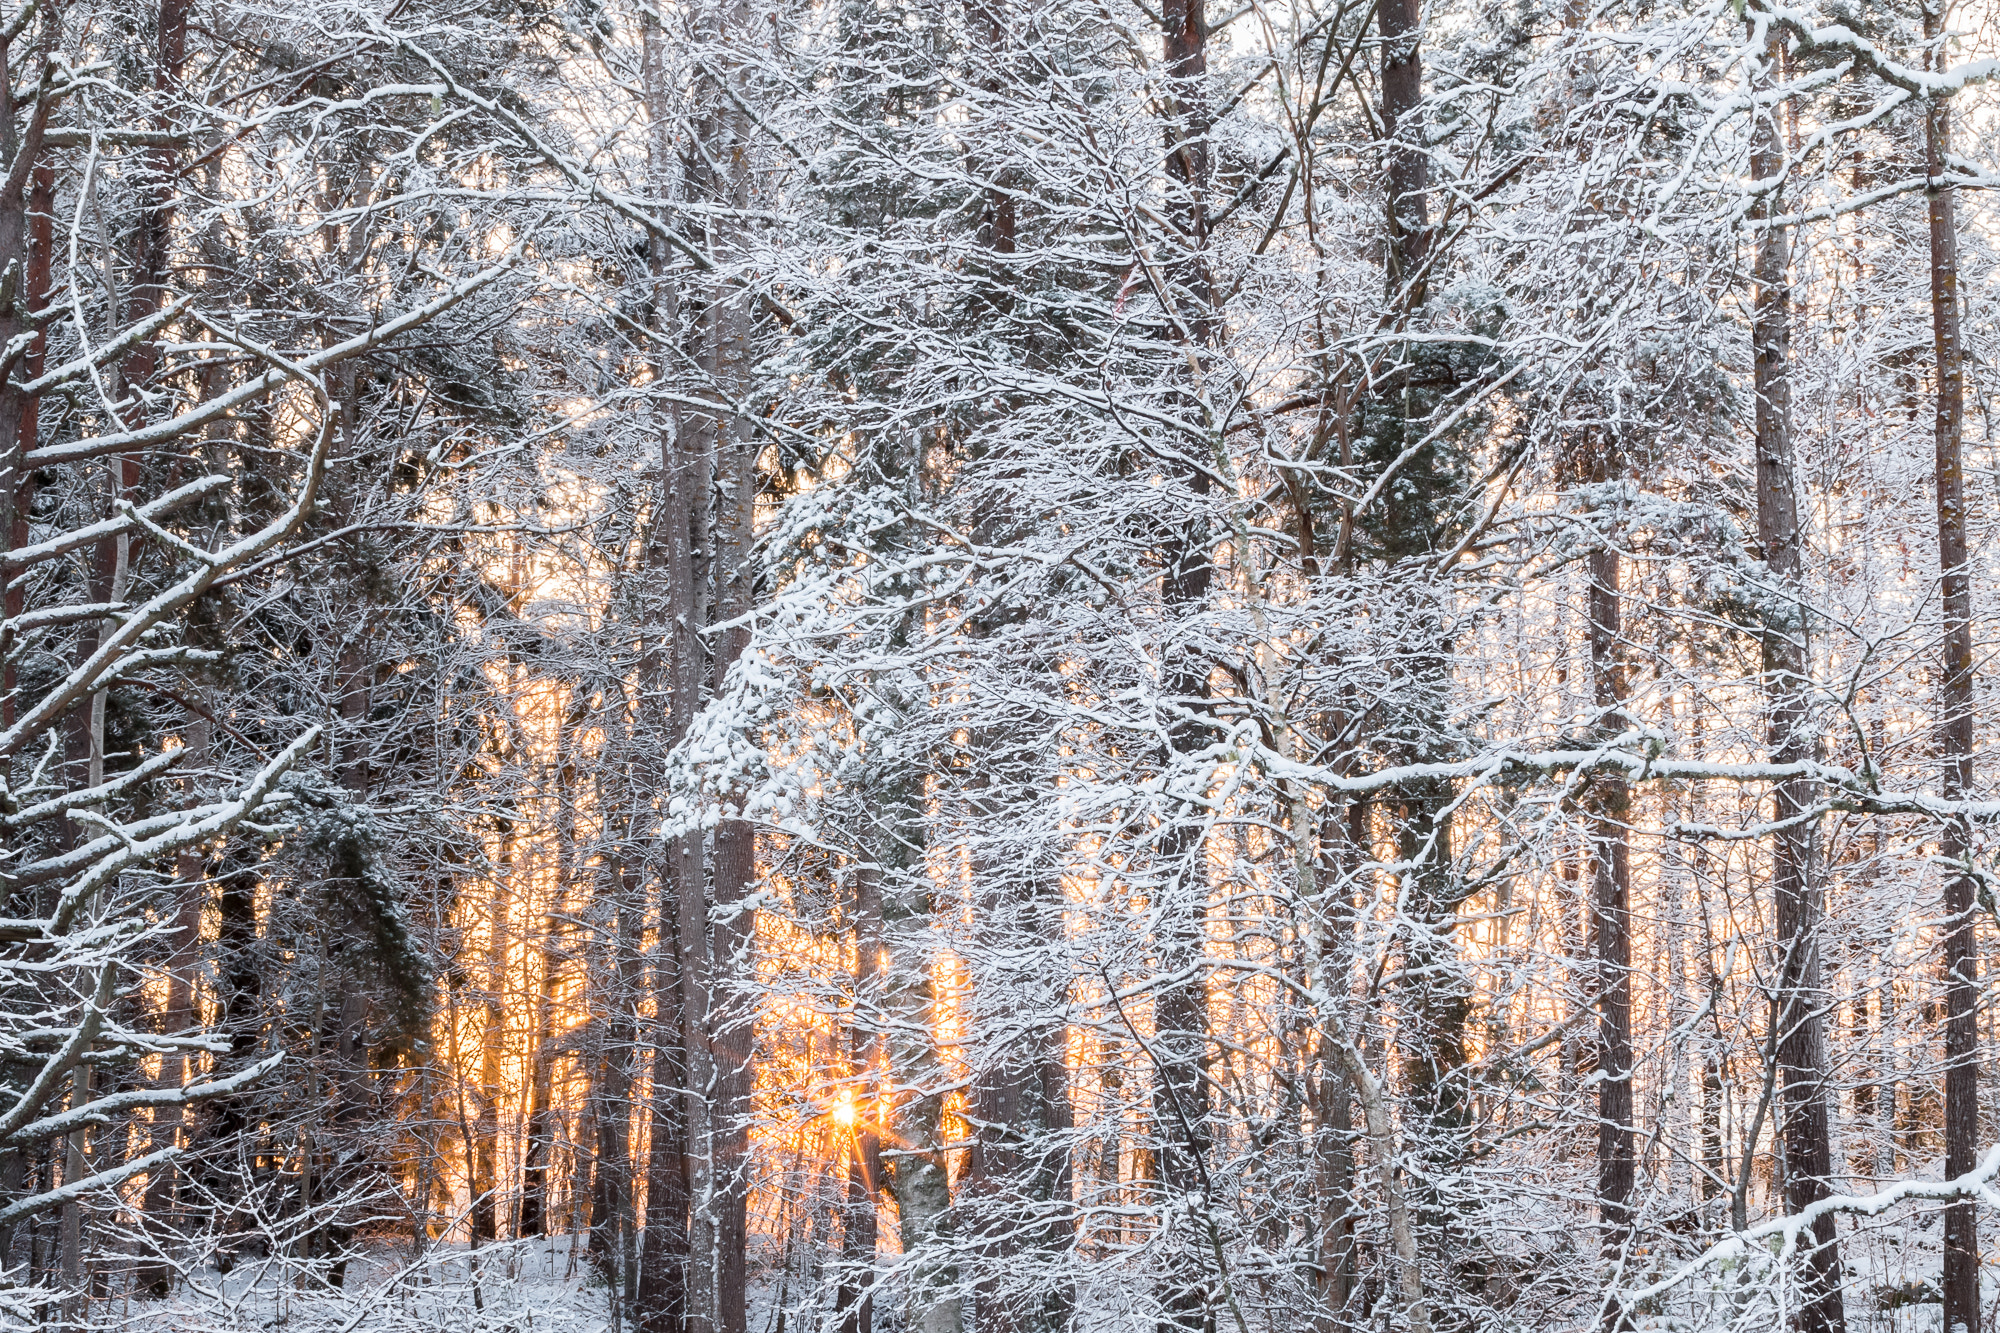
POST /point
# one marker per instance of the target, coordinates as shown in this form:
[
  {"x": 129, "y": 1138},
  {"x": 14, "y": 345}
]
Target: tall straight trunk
[
  {"x": 26, "y": 238},
  {"x": 610, "y": 1181},
  {"x": 1335, "y": 1155},
  {"x": 484, "y": 1169},
  {"x": 583, "y": 1161},
  {"x": 714, "y": 920},
  {"x": 1955, "y": 723},
  {"x": 1799, "y": 1012},
  {"x": 1180, "y": 1108},
  {"x": 1333, "y": 1109},
  {"x": 688, "y": 882},
  {"x": 1610, "y": 921},
  {"x": 1433, "y": 1039},
  {"x": 1610, "y": 801},
  {"x": 76, "y": 1166},
  {"x": 735, "y": 872},
  {"x": 538, "y": 1151},
  {"x": 662, "y": 1304},
  {"x": 240, "y": 997},
  {"x": 733, "y": 869},
  {"x": 671, "y": 682},
  {"x": 612, "y": 1238},
  {"x": 1015, "y": 1190},
  {"x": 152, "y": 240},
  {"x": 1184, "y": 50},
  {"x": 1400, "y": 24}
]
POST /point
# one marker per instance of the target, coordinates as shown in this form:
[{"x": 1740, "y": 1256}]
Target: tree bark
[
  {"x": 1400, "y": 23},
  {"x": 718, "y": 931},
  {"x": 662, "y": 1304},
  {"x": 538, "y": 1151},
  {"x": 1610, "y": 920},
  {"x": 854, "y": 1293},
  {"x": 1798, "y": 1009},
  {"x": 1955, "y": 707},
  {"x": 1180, "y": 1103}
]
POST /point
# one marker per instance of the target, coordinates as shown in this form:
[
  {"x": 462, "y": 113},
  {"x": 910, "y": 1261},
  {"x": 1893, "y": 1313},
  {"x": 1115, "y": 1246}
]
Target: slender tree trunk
[
  {"x": 662, "y": 1305},
  {"x": 26, "y": 238},
  {"x": 717, "y": 1024},
  {"x": 76, "y": 1166},
  {"x": 734, "y": 852},
  {"x": 670, "y": 1296},
  {"x": 240, "y": 996},
  {"x": 855, "y": 1300},
  {"x": 1180, "y": 1104},
  {"x": 538, "y": 1151},
  {"x": 1610, "y": 921},
  {"x": 1433, "y": 1046},
  {"x": 612, "y": 1239},
  {"x": 1017, "y": 1176},
  {"x": 1799, "y": 1009},
  {"x": 484, "y": 1169},
  {"x": 1955, "y": 707},
  {"x": 1400, "y": 23}
]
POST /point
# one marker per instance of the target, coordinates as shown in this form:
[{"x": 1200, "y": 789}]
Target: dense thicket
[{"x": 997, "y": 667}]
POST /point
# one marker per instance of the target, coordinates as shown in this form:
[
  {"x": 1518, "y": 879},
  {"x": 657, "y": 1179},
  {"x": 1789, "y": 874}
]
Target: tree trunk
[
  {"x": 1799, "y": 1012},
  {"x": 1400, "y": 23},
  {"x": 854, "y": 1301},
  {"x": 1018, "y": 1166},
  {"x": 662, "y": 1305},
  {"x": 484, "y": 1169},
  {"x": 1180, "y": 1103},
  {"x": 1955, "y": 723},
  {"x": 611, "y": 1235},
  {"x": 1610, "y": 921},
  {"x": 718, "y": 1025},
  {"x": 27, "y": 238},
  {"x": 670, "y": 1294},
  {"x": 1335, "y": 1153},
  {"x": 538, "y": 1151}
]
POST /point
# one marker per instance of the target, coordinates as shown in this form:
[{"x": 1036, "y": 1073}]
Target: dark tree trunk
[
  {"x": 26, "y": 237},
  {"x": 1955, "y": 723},
  {"x": 539, "y": 1151},
  {"x": 1400, "y": 23},
  {"x": 1798, "y": 1010},
  {"x": 735, "y": 874},
  {"x": 1180, "y": 1104},
  {"x": 1610, "y": 921},
  {"x": 662, "y": 1305}
]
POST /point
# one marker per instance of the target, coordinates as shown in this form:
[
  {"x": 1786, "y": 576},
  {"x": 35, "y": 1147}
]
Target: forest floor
[{"x": 549, "y": 1285}]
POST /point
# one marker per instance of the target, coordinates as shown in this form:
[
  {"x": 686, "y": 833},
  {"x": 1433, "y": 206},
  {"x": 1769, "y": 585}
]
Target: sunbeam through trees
[{"x": 999, "y": 666}]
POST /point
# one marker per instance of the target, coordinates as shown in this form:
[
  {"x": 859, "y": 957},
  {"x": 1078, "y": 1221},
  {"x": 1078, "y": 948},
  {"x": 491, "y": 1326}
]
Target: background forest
[{"x": 999, "y": 666}]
